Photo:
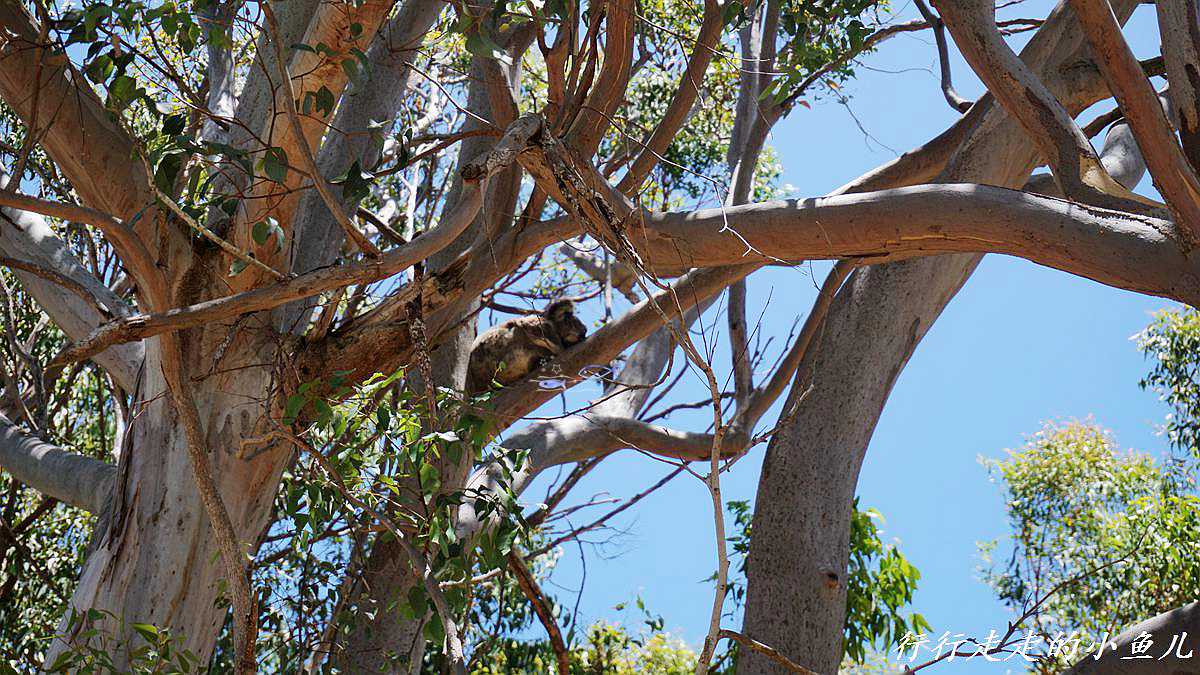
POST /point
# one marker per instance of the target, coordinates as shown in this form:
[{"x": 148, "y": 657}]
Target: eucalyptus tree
[{"x": 270, "y": 229}]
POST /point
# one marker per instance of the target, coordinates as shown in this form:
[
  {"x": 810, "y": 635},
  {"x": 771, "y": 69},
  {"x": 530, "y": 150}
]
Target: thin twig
[
  {"x": 765, "y": 650},
  {"x": 541, "y": 607}
]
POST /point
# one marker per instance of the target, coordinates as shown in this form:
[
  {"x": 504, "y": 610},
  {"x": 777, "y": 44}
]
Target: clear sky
[{"x": 1019, "y": 346}]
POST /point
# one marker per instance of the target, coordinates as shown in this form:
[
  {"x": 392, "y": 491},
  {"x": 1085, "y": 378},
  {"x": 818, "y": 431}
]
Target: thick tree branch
[
  {"x": 1162, "y": 629},
  {"x": 316, "y": 237},
  {"x": 681, "y": 103},
  {"x": 341, "y": 27},
  {"x": 1074, "y": 162},
  {"x": 30, "y": 241},
  {"x": 129, "y": 246},
  {"x": 306, "y": 154},
  {"x": 216, "y": 21},
  {"x": 1112, "y": 247},
  {"x": 88, "y": 147},
  {"x": 611, "y": 84},
  {"x": 74, "y": 479},
  {"x": 319, "y": 281},
  {"x": 1169, "y": 167},
  {"x": 1128, "y": 251}
]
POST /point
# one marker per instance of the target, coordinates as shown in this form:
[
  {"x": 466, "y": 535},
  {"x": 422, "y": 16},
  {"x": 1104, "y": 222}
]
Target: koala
[{"x": 512, "y": 350}]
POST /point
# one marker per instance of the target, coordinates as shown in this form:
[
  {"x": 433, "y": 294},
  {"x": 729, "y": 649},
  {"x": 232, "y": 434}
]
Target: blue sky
[{"x": 1019, "y": 346}]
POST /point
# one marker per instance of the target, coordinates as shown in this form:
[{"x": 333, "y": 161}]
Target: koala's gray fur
[{"x": 512, "y": 350}]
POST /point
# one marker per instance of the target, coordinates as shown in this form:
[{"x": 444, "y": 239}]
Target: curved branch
[
  {"x": 91, "y": 150},
  {"x": 952, "y": 96},
  {"x": 682, "y": 102},
  {"x": 541, "y": 607},
  {"x": 1179, "y": 26},
  {"x": 29, "y": 241},
  {"x": 1136, "y": 253},
  {"x": 1119, "y": 249},
  {"x": 129, "y": 246}
]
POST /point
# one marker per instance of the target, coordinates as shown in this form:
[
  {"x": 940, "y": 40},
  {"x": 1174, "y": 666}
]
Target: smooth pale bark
[
  {"x": 796, "y": 593},
  {"x": 74, "y": 479},
  {"x": 87, "y": 146},
  {"x": 156, "y": 560},
  {"x": 1072, "y": 159},
  {"x": 1172, "y": 174},
  {"x": 1179, "y": 26},
  {"x": 1112, "y": 247},
  {"x": 310, "y": 70},
  {"x": 221, "y": 101}
]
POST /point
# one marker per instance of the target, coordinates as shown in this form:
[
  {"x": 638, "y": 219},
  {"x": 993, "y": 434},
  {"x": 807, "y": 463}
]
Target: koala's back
[{"x": 510, "y": 351}]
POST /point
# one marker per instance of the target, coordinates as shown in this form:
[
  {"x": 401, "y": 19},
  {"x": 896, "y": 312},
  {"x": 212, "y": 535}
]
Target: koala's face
[{"x": 571, "y": 329}]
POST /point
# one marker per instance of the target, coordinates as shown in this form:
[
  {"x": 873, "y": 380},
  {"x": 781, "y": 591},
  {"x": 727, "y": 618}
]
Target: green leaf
[
  {"x": 324, "y": 101},
  {"x": 174, "y": 124},
  {"x": 147, "y": 631},
  {"x": 733, "y": 10},
  {"x": 275, "y": 164},
  {"x": 481, "y": 45},
  {"x": 99, "y": 69},
  {"x": 356, "y": 184},
  {"x": 417, "y": 600},
  {"x": 263, "y": 230},
  {"x": 122, "y": 91}
]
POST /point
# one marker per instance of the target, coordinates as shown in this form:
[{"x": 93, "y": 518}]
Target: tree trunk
[
  {"x": 156, "y": 561},
  {"x": 796, "y": 594}
]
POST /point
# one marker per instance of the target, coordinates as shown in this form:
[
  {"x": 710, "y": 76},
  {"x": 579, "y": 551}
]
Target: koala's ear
[{"x": 560, "y": 308}]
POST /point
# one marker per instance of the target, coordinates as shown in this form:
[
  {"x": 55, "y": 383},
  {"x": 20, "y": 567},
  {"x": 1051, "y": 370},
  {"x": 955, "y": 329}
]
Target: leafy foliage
[
  {"x": 155, "y": 651},
  {"x": 43, "y": 542},
  {"x": 819, "y": 33},
  {"x": 1172, "y": 341},
  {"x": 1108, "y": 537},
  {"x": 881, "y": 583},
  {"x": 391, "y": 450}
]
